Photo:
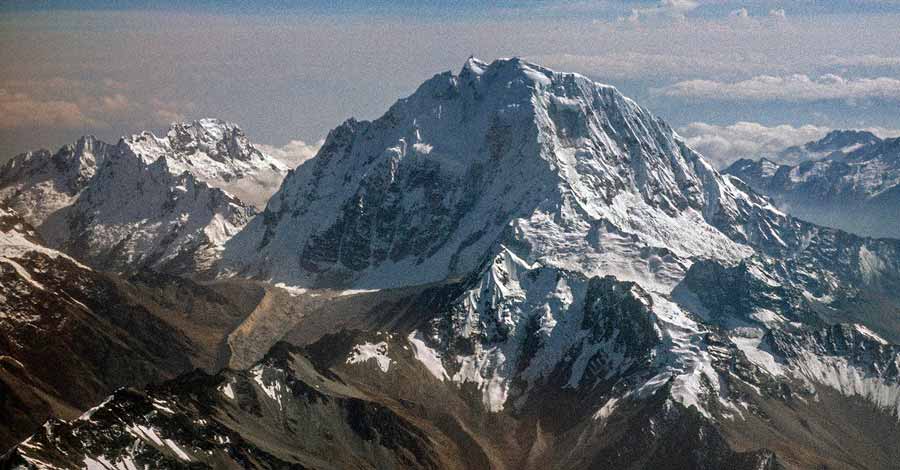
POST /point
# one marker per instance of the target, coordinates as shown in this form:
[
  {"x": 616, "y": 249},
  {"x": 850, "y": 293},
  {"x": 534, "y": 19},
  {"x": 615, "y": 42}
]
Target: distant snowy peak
[
  {"x": 37, "y": 184},
  {"x": 216, "y": 152},
  {"x": 509, "y": 147},
  {"x": 136, "y": 215},
  {"x": 853, "y": 184}
]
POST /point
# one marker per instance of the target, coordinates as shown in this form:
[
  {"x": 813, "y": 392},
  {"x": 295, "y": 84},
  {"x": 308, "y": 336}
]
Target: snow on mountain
[
  {"x": 565, "y": 265},
  {"x": 528, "y": 183},
  {"x": 38, "y": 184},
  {"x": 181, "y": 424},
  {"x": 147, "y": 200},
  {"x": 511, "y": 148},
  {"x": 258, "y": 418},
  {"x": 135, "y": 214},
  {"x": 835, "y": 144},
  {"x": 18, "y": 239},
  {"x": 854, "y": 188}
]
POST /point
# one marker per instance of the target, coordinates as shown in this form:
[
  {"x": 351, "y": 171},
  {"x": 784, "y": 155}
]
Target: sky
[{"x": 736, "y": 78}]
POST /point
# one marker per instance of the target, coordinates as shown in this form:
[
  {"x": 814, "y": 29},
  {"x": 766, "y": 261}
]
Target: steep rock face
[
  {"x": 285, "y": 412},
  {"x": 782, "y": 328},
  {"x": 518, "y": 326},
  {"x": 856, "y": 189},
  {"x": 327, "y": 407},
  {"x": 65, "y": 334},
  {"x": 167, "y": 202}
]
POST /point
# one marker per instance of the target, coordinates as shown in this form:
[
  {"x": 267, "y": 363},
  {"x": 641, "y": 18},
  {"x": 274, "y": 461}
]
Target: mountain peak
[
  {"x": 214, "y": 151},
  {"x": 207, "y": 129},
  {"x": 469, "y": 159}
]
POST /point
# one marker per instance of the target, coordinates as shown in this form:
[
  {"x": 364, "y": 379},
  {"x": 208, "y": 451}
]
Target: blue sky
[{"x": 737, "y": 78}]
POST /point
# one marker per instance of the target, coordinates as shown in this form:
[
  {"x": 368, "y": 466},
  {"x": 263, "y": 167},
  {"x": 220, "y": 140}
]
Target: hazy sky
[{"x": 737, "y": 77}]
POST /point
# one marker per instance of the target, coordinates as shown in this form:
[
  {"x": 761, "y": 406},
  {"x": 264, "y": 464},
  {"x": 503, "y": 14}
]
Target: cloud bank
[
  {"x": 293, "y": 153},
  {"x": 722, "y": 145},
  {"x": 790, "y": 88},
  {"x": 77, "y": 104}
]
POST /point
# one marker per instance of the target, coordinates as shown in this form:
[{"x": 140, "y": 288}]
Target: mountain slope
[
  {"x": 367, "y": 400},
  {"x": 261, "y": 418},
  {"x": 70, "y": 335},
  {"x": 856, "y": 189},
  {"x": 38, "y": 184}
]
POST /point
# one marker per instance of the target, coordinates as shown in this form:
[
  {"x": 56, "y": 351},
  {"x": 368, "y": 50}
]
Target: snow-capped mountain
[
  {"x": 534, "y": 187},
  {"x": 854, "y": 187},
  {"x": 217, "y": 153},
  {"x": 166, "y": 202},
  {"x": 38, "y": 184},
  {"x": 510, "y": 151},
  {"x": 528, "y": 251}
]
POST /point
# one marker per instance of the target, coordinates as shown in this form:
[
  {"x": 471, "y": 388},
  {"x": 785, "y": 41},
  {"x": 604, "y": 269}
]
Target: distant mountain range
[
  {"x": 848, "y": 180},
  {"x": 511, "y": 268},
  {"x": 167, "y": 203}
]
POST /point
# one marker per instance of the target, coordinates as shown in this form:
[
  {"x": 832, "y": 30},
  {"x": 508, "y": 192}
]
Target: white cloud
[
  {"x": 167, "y": 112},
  {"x": 665, "y": 9},
  {"x": 865, "y": 60},
  {"x": 722, "y": 145},
  {"x": 792, "y": 88},
  {"x": 258, "y": 189},
  {"x": 293, "y": 153}
]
